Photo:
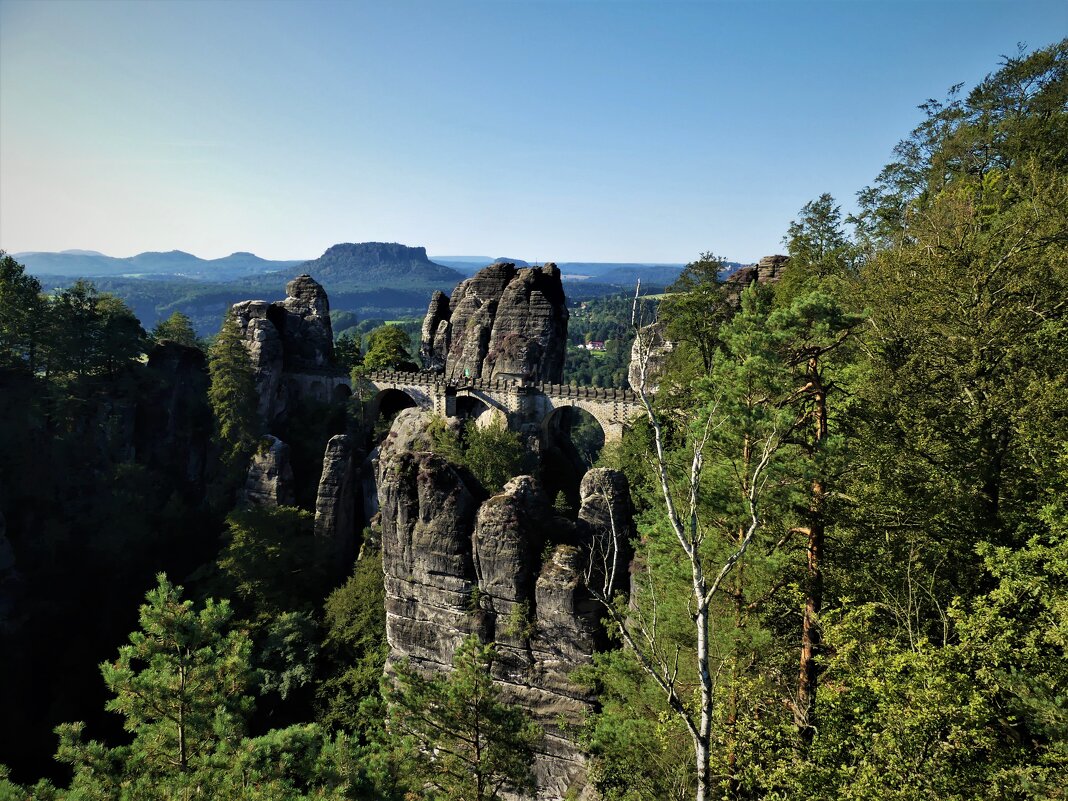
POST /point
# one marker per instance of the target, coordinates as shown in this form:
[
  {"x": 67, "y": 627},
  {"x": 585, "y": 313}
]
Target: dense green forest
[{"x": 850, "y": 579}]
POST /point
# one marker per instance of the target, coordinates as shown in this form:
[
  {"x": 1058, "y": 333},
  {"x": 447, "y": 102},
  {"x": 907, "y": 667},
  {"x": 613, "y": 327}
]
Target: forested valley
[{"x": 848, "y": 579}]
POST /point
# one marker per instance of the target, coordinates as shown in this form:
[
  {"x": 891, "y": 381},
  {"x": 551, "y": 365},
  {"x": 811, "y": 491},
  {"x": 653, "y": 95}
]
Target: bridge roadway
[{"x": 522, "y": 404}]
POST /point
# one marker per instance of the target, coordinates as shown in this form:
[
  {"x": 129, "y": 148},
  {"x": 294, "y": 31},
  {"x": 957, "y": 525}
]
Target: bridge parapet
[
  {"x": 407, "y": 378},
  {"x": 570, "y": 391}
]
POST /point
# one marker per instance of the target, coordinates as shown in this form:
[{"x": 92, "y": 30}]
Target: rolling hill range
[
  {"x": 370, "y": 279},
  {"x": 91, "y": 264},
  {"x": 595, "y": 272}
]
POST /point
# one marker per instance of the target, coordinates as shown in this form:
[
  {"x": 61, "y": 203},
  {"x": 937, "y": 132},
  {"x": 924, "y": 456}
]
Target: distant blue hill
[
  {"x": 602, "y": 272},
  {"x": 90, "y": 264}
]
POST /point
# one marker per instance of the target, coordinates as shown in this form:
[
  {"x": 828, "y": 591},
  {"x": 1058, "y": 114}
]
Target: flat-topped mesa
[{"x": 502, "y": 323}]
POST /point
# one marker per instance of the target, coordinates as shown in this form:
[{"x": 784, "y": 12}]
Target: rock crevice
[{"x": 510, "y": 569}]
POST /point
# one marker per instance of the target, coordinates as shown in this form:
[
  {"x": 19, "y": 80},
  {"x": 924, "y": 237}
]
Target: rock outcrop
[
  {"x": 288, "y": 336},
  {"x": 360, "y": 264},
  {"x": 303, "y": 320},
  {"x": 427, "y": 513},
  {"x": 434, "y": 342},
  {"x": 606, "y": 520},
  {"x": 509, "y": 569},
  {"x": 652, "y": 345},
  {"x": 767, "y": 271},
  {"x": 270, "y": 476},
  {"x": 502, "y": 323},
  {"x": 658, "y": 347},
  {"x": 264, "y": 345},
  {"x": 336, "y": 507}
]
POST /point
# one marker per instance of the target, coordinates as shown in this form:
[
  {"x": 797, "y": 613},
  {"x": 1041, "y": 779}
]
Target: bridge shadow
[
  {"x": 384, "y": 408},
  {"x": 573, "y": 441}
]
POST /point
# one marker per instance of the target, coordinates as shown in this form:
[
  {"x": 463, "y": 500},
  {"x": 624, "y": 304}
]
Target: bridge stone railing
[
  {"x": 530, "y": 402},
  {"x": 420, "y": 378},
  {"x": 572, "y": 392}
]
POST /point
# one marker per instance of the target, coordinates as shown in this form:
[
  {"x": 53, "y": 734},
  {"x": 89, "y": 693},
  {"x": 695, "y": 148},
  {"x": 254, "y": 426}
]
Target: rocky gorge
[{"x": 456, "y": 558}]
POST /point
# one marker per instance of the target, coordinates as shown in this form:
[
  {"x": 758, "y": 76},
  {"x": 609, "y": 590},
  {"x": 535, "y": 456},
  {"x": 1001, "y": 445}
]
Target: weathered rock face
[
  {"x": 307, "y": 337},
  {"x": 293, "y": 335},
  {"x": 529, "y": 566},
  {"x": 606, "y": 520},
  {"x": 767, "y": 271},
  {"x": 264, "y": 345},
  {"x": 337, "y": 505},
  {"x": 174, "y": 422},
  {"x": 652, "y": 345},
  {"x": 426, "y": 513},
  {"x": 500, "y": 323},
  {"x": 540, "y": 616},
  {"x": 270, "y": 475},
  {"x": 434, "y": 342}
]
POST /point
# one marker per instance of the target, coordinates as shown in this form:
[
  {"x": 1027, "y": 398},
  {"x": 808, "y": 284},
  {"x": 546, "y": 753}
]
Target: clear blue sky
[{"x": 608, "y": 131}]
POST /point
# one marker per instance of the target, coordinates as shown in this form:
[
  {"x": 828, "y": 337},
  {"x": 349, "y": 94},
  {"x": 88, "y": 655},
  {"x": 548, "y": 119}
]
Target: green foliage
[
  {"x": 355, "y": 648},
  {"x": 233, "y": 394},
  {"x": 820, "y": 252},
  {"x": 347, "y": 351},
  {"x": 492, "y": 452},
  {"x": 464, "y": 743},
  {"x": 22, "y": 315},
  {"x": 445, "y": 440},
  {"x": 519, "y": 623},
  {"x": 177, "y": 328},
  {"x": 696, "y": 307},
  {"x": 267, "y": 562},
  {"x": 87, "y": 333},
  {"x": 387, "y": 349},
  {"x": 641, "y": 752},
  {"x": 1014, "y": 118},
  {"x": 981, "y": 717},
  {"x": 181, "y": 684}
]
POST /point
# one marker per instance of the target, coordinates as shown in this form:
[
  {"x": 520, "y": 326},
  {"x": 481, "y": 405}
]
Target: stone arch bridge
[{"x": 523, "y": 404}]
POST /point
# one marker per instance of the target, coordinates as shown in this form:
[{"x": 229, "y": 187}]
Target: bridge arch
[
  {"x": 577, "y": 425},
  {"x": 387, "y": 404}
]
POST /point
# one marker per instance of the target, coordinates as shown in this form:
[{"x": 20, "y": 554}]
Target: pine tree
[
  {"x": 176, "y": 328},
  {"x": 233, "y": 394},
  {"x": 468, "y": 744},
  {"x": 22, "y": 315}
]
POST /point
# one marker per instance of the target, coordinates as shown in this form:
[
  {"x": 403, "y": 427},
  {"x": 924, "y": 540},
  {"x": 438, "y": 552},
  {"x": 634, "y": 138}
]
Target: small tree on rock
[
  {"x": 233, "y": 393},
  {"x": 176, "y": 328},
  {"x": 465, "y": 742}
]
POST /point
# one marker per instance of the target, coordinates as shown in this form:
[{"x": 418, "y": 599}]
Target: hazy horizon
[{"x": 615, "y": 132}]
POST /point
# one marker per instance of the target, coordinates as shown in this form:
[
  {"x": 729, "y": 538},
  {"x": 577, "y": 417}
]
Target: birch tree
[{"x": 716, "y": 461}]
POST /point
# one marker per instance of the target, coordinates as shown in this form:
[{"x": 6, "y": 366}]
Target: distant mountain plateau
[{"x": 371, "y": 279}]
